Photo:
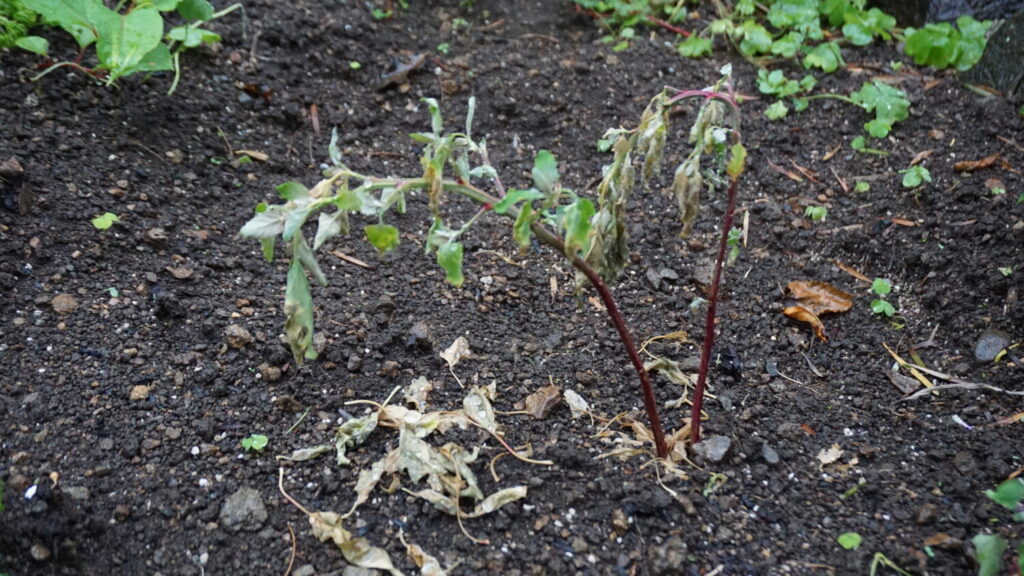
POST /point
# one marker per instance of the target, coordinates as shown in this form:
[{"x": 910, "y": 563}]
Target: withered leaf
[
  {"x": 820, "y": 297},
  {"x": 540, "y": 403},
  {"x": 972, "y": 165},
  {"x": 801, "y": 314}
]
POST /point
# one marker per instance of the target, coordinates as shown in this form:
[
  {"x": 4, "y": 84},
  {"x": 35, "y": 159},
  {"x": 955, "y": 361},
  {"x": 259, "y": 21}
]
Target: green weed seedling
[
  {"x": 131, "y": 41},
  {"x": 849, "y": 540},
  {"x": 256, "y": 442},
  {"x": 940, "y": 45},
  {"x": 990, "y": 547},
  {"x": 590, "y": 233},
  {"x": 816, "y": 213},
  {"x": 104, "y": 221},
  {"x": 915, "y": 176},
  {"x": 862, "y": 186},
  {"x": 881, "y": 287}
]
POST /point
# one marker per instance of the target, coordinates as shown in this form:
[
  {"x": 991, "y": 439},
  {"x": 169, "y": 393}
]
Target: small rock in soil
[
  {"x": 667, "y": 558},
  {"x": 78, "y": 493},
  {"x": 64, "y": 303},
  {"x": 269, "y": 373},
  {"x": 243, "y": 510},
  {"x": 358, "y": 571},
  {"x": 304, "y": 570},
  {"x": 11, "y": 167},
  {"x": 138, "y": 393},
  {"x": 964, "y": 462},
  {"x": 713, "y": 448},
  {"x": 927, "y": 513},
  {"x": 355, "y": 363},
  {"x": 389, "y": 369},
  {"x": 419, "y": 337},
  {"x": 122, "y": 512},
  {"x": 39, "y": 552},
  {"x": 989, "y": 344},
  {"x": 236, "y": 336},
  {"x": 769, "y": 454}
]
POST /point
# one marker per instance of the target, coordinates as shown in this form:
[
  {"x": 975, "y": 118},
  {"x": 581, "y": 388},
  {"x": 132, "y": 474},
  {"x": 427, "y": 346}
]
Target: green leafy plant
[
  {"x": 990, "y": 547},
  {"x": 849, "y": 540},
  {"x": 816, "y": 213},
  {"x": 889, "y": 104},
  {"x": 915, "y": 176},
  {"x": 592, "y": 236},
  {"x": 131, "y": 41},
  {"x": 882, "y": 287},
  {"x": 860, "y": 145},
  {"x": 256, "y": 442},
  {"x": 105, "y": 220},
  {"x": 940, "y": 45},
  {"x": 444, "y": 48},
  {"x": 862, "y": 186},
  {"x": 15, "y": 21}
]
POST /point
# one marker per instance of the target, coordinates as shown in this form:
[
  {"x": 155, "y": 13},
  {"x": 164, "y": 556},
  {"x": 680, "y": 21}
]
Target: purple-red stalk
[{"x": 709, "y": 324}]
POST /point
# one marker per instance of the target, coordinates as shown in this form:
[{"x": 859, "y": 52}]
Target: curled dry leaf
[
  {"x": 540, "y": 403},
  {"x": 456, "y": 352},
  {"x": 801, "y": 314},
  {"x": 820, "y": 297},
  {"x": 577, "y": 405},
  {"x": 972, "y": 165},
  {"x": 303, "y": 454},
  {"x": 416, "y": 393},
  {"x": 829, "y": 455},
  {"x": 357, "y": 551}
]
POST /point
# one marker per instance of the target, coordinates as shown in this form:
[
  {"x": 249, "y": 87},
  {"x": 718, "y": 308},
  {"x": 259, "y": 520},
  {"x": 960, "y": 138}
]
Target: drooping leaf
[
  {"x": 737, "y": 161},
  {"x": 267, "y": 247},
  {"x": 522, "y": 230},
  {"x": 478, "y": 407},
  {"x": 383, "y": 237},
  {"x": 76, "y": 17},
  {"x": 302, "y": 251},
  {"x": 545, "y": 171},
  {"x": 513, "y": 197},
  {"x": 35, "y": 44},
  {"x": 357, "y": 551},
  {"x": 298, "y": 309},
  {"x": 192, "y": 36},
  {"x": 449, "y": 258},
  {"x": 577, "y": 225},
  {"x": 1009, "y": 494},
  {"x": 989, "y": 549},
  {"x": 329, "y": 226},
  {"x": 266, "y": 224}
]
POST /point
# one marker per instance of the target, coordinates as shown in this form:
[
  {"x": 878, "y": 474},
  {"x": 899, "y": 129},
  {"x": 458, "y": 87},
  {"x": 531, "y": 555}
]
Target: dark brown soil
[{"x": 135, "y": 483}]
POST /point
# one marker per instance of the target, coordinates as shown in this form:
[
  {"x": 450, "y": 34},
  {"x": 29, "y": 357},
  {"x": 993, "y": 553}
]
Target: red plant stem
[
  {"x": 667, "y": 26},
  {"x": 709, "y": 324},
  {"x": 650, "y": 404}
]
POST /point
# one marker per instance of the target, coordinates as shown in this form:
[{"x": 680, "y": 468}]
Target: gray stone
[
  {"x": 989, "y": 344},
  {"x": 769, "y": 454},
  {"x": 243, "y": 510},
  {"x": 667, "y": 558},
  {"x": 304, "y": 570},
  {"x": 79, "y": 493},
  {"x": 236, "y": 336},
  {"x": 358, "y": 571},
  {"x": 713, "y": 448}
]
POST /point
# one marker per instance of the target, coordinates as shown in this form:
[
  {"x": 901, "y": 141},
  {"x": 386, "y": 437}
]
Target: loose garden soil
[{"x": 124, "y": 404}]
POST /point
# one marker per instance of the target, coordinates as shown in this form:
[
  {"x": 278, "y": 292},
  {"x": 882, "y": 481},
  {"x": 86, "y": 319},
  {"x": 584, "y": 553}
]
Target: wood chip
[{"x": 254, "y": 154}]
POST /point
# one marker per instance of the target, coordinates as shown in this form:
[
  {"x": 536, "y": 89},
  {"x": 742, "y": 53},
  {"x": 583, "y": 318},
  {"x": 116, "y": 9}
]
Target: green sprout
[
  {"x": 255, "y": 442},
  {"x": 881, "y": 287},
  {"x": 849, "y": 540},
  {"x": 862, "y": 186},
  {"x": 816, "y": 213},
  {"x": 915, "y": 176},
  {"x": 105, "y": 220}
]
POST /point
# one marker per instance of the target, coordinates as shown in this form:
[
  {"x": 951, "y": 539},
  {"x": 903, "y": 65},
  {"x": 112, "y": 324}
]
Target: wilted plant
[{"x": 593, "y": 237}]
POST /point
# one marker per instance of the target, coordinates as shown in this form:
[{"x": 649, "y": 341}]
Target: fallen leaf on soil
[
  {"x": 801, "y": 314},
  {"x": 807, "y": 429},
  {"x": 829, "y": 455},
  {"x": 416, "y": 393},
  {"x": 972, "y": 165},
  {"x": 368, "y": 480},
  {"x": 254, "y": 154},
  {"x": 357, "y": 551},
  {"x": 540, "y": 403},
  {"x": 454, "y": 353},
  {"x": 180, "y": 272},
  {"x": 921, "y": 156},
  {"x": 577, "y": 405},
  {"x": 671, "y": 370},
  {"x": 776, "y": 168},
  {"x": 428, "y": 565},
  {"x": 820, "y": 297},
  {"x": 478, "y": 407},
  {"x": 303, "y": 454},
  {"x": 353, "y": 433},
  {"x": 852, "y": 272}
]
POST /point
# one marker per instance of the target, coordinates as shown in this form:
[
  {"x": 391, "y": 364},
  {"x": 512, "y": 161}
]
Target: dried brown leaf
[
  {"x": 540, "y": 403},
  {"x": 972, "y": 165},
  {"x": 801, "y": 314},
  {"x": 820, "y": 297}
]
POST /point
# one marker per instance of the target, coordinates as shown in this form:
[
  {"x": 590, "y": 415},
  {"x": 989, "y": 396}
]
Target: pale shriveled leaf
[
  {"x": 829, "y": 455},
  {"x": 298, "y": 309},
  {"x": 420, "y": 460},
  {"x": 368, "y": 480},
  {"x": 497, "y": 500},
  {"x": 577, "y": 405},
  {"x": 266, "y": 224},
  {"x": 428, "y": 565},
  {"x": 357, "y": 551},
  {"x": 329, "y": 226},
  {"x": 479, "y": 409},
  {"x": 456, "y": 352},
  {"x": 416, "y": 392},
  {"x": 353, "y": 433},
  {"x": 303, "y": 454}
]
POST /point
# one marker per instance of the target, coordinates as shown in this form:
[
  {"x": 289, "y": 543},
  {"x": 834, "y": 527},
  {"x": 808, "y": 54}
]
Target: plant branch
[
  {"x": 650, "y": 404},
  {"x": 709, "y": 324}
]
